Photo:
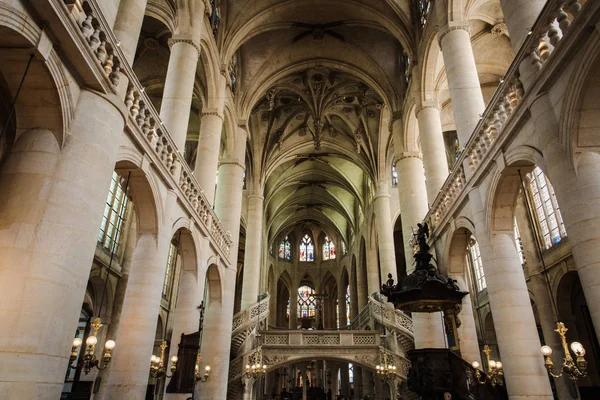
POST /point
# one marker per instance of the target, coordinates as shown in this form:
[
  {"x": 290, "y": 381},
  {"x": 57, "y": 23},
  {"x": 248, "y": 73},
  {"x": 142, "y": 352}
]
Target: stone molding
[
  {"x": 423, "y": 106},
  {"x": 213, "y": 113},
  {"x": 189, "y": 41},
  {"x": 255, "y": 196},
  {"x": 409, "y": 154},
  {"x": 454, "y": 27},
  {"x": 232, "y": 161}
]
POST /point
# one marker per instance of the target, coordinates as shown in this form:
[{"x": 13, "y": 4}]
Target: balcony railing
[
  {"x": 144, "y": 121},
  {"x": 545, "y": 37}
]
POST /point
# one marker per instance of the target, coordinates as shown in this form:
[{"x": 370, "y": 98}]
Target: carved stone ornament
[{"x": 499, "y": 29}]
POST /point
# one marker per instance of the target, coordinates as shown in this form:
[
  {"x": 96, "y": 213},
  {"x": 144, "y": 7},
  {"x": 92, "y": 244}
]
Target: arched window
[
  {"x": 169, "y": 271},
  {"x": 114, "y": 215},
  {"x": 518, "y": 242},
  {"x": 474, "y": 261},
  {"x": 328, "y": 249},
  {"x": 424, "y": 9},
  {"x": 344, "y": 251},
  {"x": 306, "y": 302},
  {"x": 306, "y": 249},
  {"x": 285, "y": 252},
  {"x": 215, "y": 17},
  {"x": 549, "y": 219},
  {"x": 394, "y": 175},
  {"x": 348, "y": 305}
]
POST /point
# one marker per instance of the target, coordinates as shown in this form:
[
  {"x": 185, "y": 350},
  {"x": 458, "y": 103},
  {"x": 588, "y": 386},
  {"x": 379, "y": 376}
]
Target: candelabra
[
  {"x": 89, "y": 359},
  {"x": 386, "y": 370},
  {"x": 494, "y": 374},
  {"x": 257, "y": 369},
  {"x": 157, "y": 368},
  {"x": 574, "y": 369},
  {"x": 197, "y": 376}
]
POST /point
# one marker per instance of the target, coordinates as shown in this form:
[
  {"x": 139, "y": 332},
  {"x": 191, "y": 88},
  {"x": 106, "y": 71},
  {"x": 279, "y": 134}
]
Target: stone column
[
  {"x": 293, "y": 322},
  {"x": 51, "y": 204},
  {"x": 128, "y": 26},
  {"x": 209, "y": 143},
  {"x": 385, "y": 233},
  {"x": 367, "y": 382},
  {"x": 518, "y": 340},
  {"x": 463, "y": 81},
  {"x": 179, "y": 88},
  {"x": 342, "y": 306},
  {"x": 304, "y": 385},
  {"x": 358, "y": 379},
  {"x": 345, "y": 379},
  {"x": 361, "y": 283},
  {"x": 467, "y": 332},
  {"x": 428, "y": 328},
  {"x": 433, "y": 149},
  {"x": 216, "y": 341},
  {"x": 252, "y": 251},
  {"x": 373, "y": 279},
  {"x": 135, "y": 337},
  {"x": 520, "y": 15}
]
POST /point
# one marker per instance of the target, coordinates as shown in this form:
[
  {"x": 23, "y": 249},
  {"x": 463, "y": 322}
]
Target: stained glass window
[
  {"x": 328, "y": 249},
  {"x": 344, "y": 251},
  {"x": 114, "y": 215},
  {"x": 474, "y": 260},
  {"x": 549, "y": 219},
  {"x": 406, "y": 64},
  {"x": 424, "y": 7},
  {"x": 306, "y": 302},
  {"x": 394, "y": 175},
  {"x": 285, "y": 252},
  {"x": 307, "y": 249},
  {"x": 348, "y": 305}
]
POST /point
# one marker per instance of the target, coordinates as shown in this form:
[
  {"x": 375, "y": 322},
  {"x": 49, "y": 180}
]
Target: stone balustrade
[
  {"x": 245, "y": 321},
  {"x": 144, "y": 121},
  {"x": 549, "y": 30}
]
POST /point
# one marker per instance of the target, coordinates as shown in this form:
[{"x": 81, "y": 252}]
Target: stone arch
[
  {"x": 45, "y": 101},
  {"x": 214, "y": 289},
  {"x": 455, "y": 248},
  {"x": 143, "y": 192}
]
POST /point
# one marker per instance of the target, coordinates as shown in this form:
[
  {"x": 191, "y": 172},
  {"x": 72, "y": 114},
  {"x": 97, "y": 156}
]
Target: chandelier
[
  {"x": 574, "y": 369},
  {"x": 89, "y": 359},
  {"x": 257, "y": 368},
  {"x": 494, "y": 374},
  {"x": 386, "y": 370}
]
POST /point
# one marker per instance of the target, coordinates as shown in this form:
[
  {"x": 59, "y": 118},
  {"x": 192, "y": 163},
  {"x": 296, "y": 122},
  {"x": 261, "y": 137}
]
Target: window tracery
[
  {"x": 306, "y": 249},
  {"x": 328, "y": 249},
  {"x": 114, "y": 215},
  {"x": 169, "y": 270},
  {"x": 285, "y": 252},
  {"x": 549, "y": 218},
  {"x": 307, "y": 304}
]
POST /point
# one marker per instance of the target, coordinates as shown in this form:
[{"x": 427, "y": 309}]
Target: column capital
[
  {"x": 453, "y": 26},
  {"x": 424, "y": 105},
  {"x": 184, "y": 39}
]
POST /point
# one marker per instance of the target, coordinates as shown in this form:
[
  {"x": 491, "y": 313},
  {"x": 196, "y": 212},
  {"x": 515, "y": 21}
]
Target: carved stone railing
[
  {"x": 144, "y": 121},
  {"x": 549, "y": 31},
  {"x": 245, "y": 321}
]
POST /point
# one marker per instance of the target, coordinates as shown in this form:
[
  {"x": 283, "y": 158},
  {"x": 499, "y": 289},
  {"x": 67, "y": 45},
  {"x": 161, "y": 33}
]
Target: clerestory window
[
  {"x": 114, "y": 215},
  {"x": 285, "y": 252},
  {"x": 328, "y": 249},
  {"x": 306, "y": 249},
  {"x": 549, "y": 219},
  {"x": 474, "y": 261}
]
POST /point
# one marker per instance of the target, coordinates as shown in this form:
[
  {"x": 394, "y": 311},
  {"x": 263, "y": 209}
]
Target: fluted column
[
  {"x": 463, "y": 81},
  {"x": 216, "y": 343},
  {"x": 51, "y": 204},
  {"x": 128, "y": 26},
  {"x": 209, "y": 143},
  {"x": 252, "y": 251},
  {"x": 385, "y": 233},
  {"x": 518, "y": 340},
  {"x": 433, "y": 149},
  {"x": 136, "y": 333},
  {"x": 179, "y": 88}
]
